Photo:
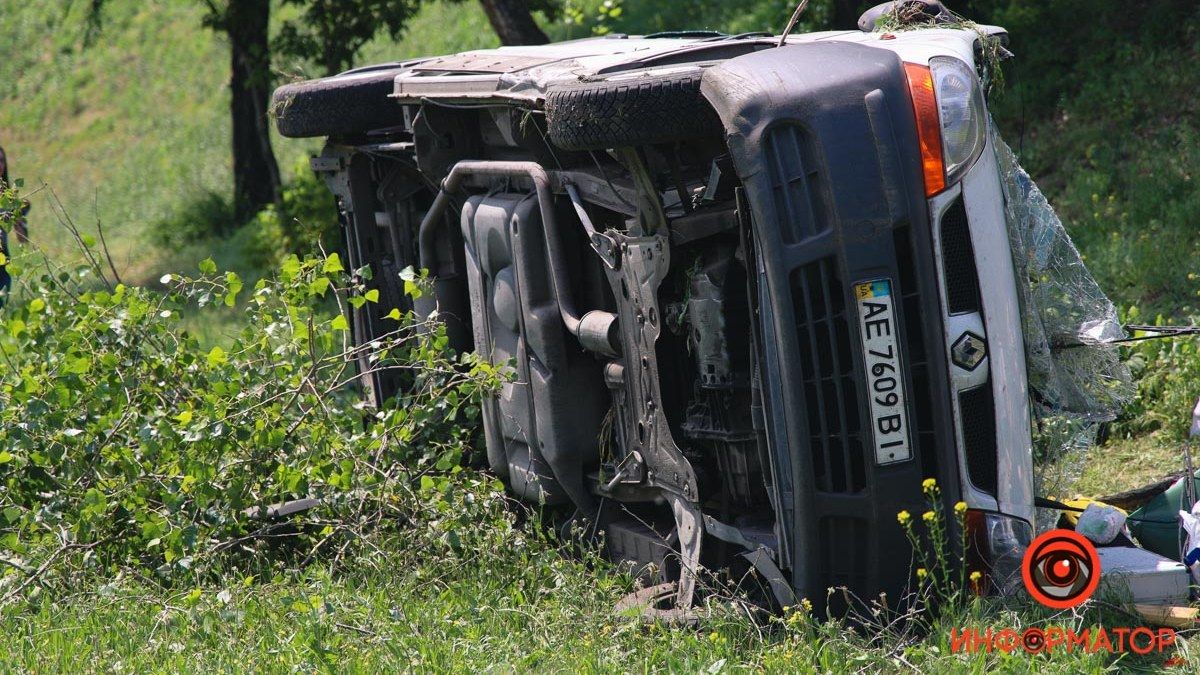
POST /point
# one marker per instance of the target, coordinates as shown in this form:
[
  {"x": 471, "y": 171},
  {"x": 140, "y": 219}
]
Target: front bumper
[{"x": 823, "y": 138}]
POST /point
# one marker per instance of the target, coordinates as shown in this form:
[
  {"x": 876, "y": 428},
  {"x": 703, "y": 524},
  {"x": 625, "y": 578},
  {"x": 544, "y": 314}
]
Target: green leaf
[
  {"x": 372, "y": 295},
  {"x": 339, "y": 323},
  {"x": 290, "y": 267},
  {"x": 333, "y": 264},
  {"x": 319, "y": 286},
  {"x": 394, "y": 315},
  {"x": 235, "y": 286},
  {"x": 36, "y": 305},
  {"x": 208, "y": 266},
  {"x": 217, "y": 356},
  {"x": 6, "y": 457},
  {"x": 184, "y": 417}
]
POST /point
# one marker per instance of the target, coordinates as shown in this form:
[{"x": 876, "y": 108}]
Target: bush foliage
[{"x": 126, "y": 445}]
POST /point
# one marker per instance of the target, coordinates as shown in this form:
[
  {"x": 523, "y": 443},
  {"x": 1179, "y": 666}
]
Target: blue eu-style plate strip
[{"x": 880, "y": 289}]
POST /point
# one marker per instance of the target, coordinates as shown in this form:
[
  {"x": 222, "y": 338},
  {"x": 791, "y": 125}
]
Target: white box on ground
[{"x": 1142, "y": 576}]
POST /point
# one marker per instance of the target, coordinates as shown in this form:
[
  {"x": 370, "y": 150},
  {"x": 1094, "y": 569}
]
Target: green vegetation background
[{"x": 131, "y": 130}]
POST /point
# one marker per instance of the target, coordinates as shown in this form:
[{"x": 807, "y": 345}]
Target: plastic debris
[
  {"x": 1156, "y": 524},
  {"x": 1101, "y": 523},
  {"x": 1194, "y": 432},
  {"x": 1190, "y": 521}
]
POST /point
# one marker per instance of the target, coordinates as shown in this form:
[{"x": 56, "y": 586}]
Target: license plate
[{"x": 885, "y": 379}]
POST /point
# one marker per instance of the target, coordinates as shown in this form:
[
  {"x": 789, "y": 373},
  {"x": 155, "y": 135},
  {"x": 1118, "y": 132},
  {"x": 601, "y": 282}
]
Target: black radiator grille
[
  {"x": 922, "y": 405},
  {"x": 977, "y": 410},
  {"x": 958, "y": 260},
  {"x": 827, "y": 366},
  {"x": 795, "y": 183}
]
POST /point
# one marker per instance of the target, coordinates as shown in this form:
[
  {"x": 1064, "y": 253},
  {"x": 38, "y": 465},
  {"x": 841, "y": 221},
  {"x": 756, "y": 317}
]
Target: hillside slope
[{"x": 133, "y": 128}]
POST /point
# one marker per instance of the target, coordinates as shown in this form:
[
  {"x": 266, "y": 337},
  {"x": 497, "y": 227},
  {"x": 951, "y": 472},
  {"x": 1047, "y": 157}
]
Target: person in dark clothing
[{"x": 18, "y": 225}]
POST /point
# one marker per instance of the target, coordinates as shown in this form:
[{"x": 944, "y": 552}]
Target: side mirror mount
[{"x": 908, "y": 11}]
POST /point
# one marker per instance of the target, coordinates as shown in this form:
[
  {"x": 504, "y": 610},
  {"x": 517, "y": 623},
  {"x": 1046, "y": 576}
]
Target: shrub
[
  {"x": 124, "y": 445},
  {"x": 305, "y": 221},
  {"x": 203, "y": 216},
  {"x": 1168, "y": 384}
]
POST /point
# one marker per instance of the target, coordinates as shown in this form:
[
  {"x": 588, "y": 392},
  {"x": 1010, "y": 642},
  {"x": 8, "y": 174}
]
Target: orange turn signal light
[{"x": 929, "y": 131}]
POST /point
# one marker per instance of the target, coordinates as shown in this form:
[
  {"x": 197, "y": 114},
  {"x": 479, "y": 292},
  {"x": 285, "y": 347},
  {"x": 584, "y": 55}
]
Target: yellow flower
[
  {"x": 960, "y": 508},
  {"x": 976, "y": 576},
  {"x": 928, "y": 516},
  {"x": 806, "y": 604},
  {"x": 903, "y": 517},
  {"x": 928, "y": 484},
  {"x": 921, "y": 572}
]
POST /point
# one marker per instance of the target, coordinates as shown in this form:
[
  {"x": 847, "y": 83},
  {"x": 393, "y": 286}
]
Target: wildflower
[
  {"x": 921, "y": 573},
  {"x": 806, "y": 604},
  {"x": 903, "y": 517},
  {"x": 960, "y": 508},
  {"x": 929, "y": 485},
  {"x": 976, "y": 576},
  {"x": 928, "y": 516}
]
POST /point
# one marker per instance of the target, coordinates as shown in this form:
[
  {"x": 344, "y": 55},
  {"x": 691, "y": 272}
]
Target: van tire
[
  {"x": 647, "y": 110},
  {"x": 351, "y": 103}
]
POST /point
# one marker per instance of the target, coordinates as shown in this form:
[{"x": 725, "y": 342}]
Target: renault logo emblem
[{"x": 968, "y": 351}]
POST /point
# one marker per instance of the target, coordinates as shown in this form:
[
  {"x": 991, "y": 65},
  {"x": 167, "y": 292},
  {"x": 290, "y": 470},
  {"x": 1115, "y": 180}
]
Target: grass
[
  {"x": 518, "y": 607},
  {"x": 1124, "y": 464},
  {"x": 89, "y": 120},
  {"x": 133, "y": 129}
]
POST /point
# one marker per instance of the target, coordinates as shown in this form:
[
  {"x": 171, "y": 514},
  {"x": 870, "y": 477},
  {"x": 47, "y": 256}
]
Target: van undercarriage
[{"x": 742, "y": 331}]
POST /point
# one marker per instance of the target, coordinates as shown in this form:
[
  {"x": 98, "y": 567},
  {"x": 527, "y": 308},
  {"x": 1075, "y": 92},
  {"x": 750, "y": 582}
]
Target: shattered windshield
[{"x": 1076, "y": 377}]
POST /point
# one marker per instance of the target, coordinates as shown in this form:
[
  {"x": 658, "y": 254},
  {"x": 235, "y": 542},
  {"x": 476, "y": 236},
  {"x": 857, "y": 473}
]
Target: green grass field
[
  {"x": 131, "y": 131},
  {"x": 553, "y": 616}
]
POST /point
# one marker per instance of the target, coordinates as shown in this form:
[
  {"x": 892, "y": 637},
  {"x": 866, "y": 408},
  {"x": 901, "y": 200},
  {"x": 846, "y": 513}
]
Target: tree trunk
[
  {"x": 513, "y": 23},
  {"x": 256, "y": 179}
]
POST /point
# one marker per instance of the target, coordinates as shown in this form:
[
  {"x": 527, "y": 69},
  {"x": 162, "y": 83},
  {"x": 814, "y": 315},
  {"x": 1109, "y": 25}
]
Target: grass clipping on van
[{"x": 1076, "y": 377}]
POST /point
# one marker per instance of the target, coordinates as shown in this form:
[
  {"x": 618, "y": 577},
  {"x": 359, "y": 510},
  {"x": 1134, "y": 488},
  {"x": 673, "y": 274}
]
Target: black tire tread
[
  {"x": 333, "y": 106},
  {"x": 646, "y": 110}
]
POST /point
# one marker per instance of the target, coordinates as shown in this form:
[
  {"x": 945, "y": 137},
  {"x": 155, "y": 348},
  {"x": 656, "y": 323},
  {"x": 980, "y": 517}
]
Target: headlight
[
  {"x": 962, "y": 114},
  {"x": 996, "y": 546},
  {"x": 951, "y": 119}
]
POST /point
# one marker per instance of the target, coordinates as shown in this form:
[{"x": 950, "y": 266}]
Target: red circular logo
[{"x": 1061, "y": 569}]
